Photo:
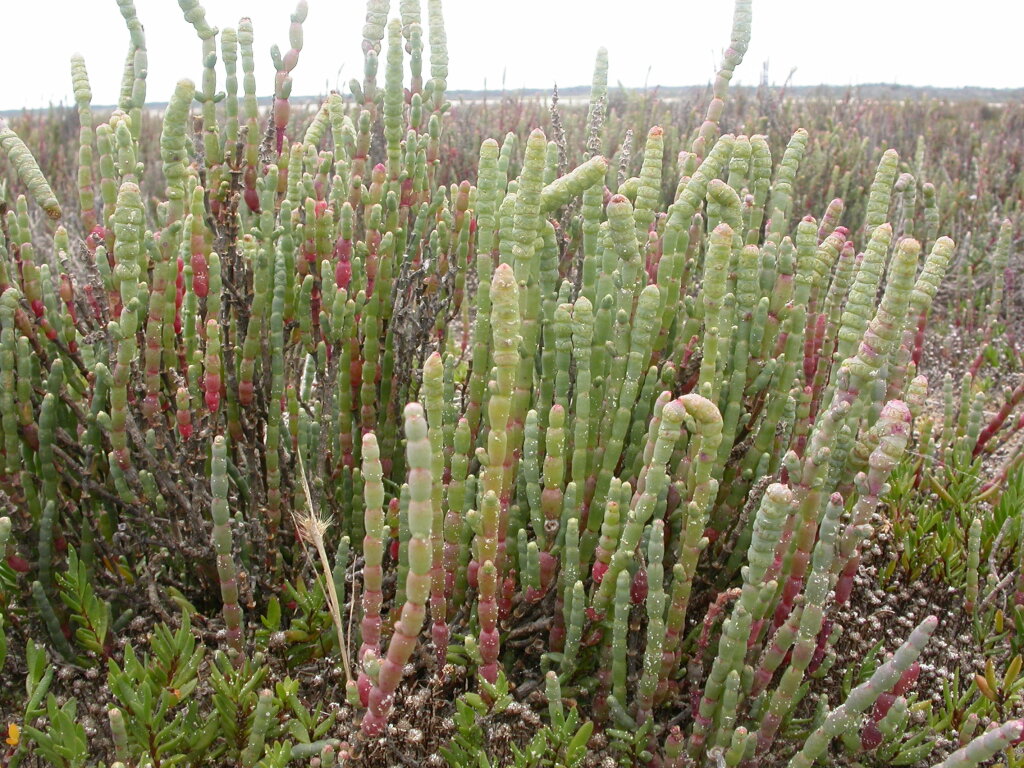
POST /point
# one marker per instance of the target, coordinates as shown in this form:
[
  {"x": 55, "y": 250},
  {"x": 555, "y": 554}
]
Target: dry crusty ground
[
  {"x": 423, "y": 720},
  {"x": 890, "y": 614}
]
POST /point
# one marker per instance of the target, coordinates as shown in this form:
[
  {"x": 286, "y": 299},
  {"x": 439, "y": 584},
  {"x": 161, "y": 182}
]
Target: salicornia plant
[{"x": 606, "y": 433}]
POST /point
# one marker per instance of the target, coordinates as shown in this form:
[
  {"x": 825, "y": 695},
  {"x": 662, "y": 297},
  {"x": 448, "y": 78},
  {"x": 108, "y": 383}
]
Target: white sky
[{"x": 533, "y": 43}]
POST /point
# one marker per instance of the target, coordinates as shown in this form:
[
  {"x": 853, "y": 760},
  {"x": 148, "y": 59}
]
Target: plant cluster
[{"x": 313, "y": 451}]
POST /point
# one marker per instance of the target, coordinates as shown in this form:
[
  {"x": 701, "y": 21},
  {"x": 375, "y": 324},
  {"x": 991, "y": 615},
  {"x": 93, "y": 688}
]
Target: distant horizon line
[{"x": 576, "y": 90}]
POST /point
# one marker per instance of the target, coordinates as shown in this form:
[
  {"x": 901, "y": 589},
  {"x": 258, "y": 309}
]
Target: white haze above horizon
[{"x": 532, "y": 44}]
